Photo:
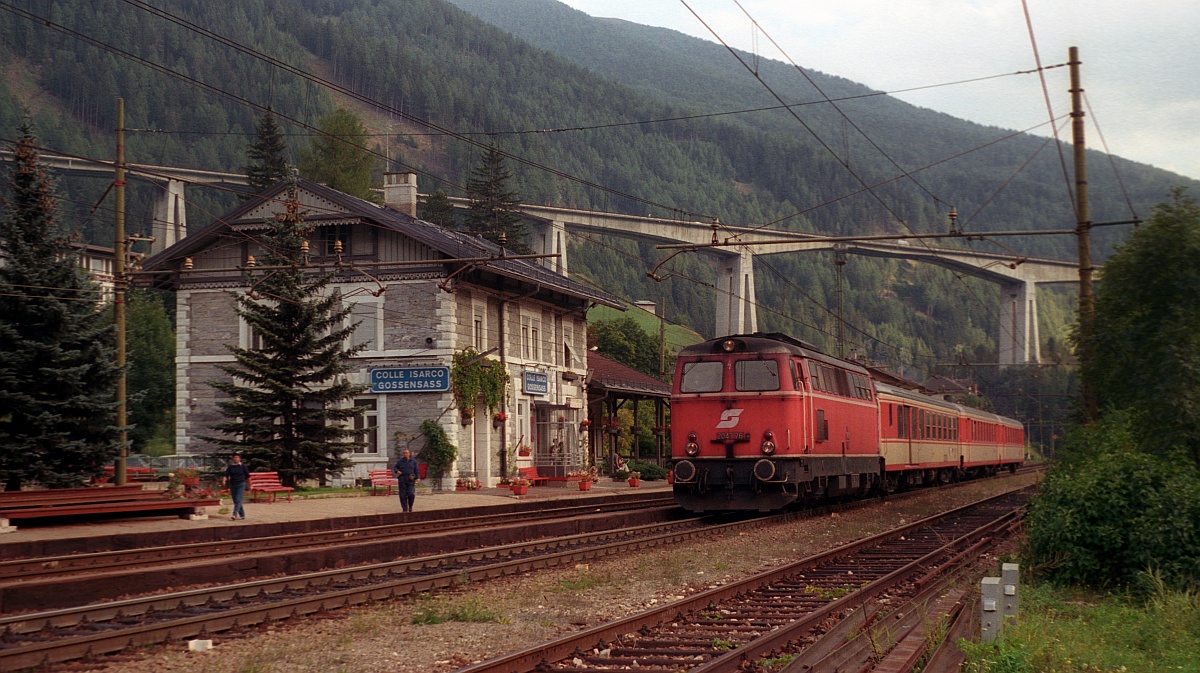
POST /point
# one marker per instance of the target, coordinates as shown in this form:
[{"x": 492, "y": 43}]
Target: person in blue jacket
[
  {"x": 236, "y": 476},
  {"x": 408, "y": 474}
]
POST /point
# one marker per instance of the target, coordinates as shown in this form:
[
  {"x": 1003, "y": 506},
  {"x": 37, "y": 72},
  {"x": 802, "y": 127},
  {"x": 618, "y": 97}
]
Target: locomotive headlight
[
  {"x": 768, "y": 445},
  {"x": 691, "y": 448},
  {"x": 729, "y": 345}
]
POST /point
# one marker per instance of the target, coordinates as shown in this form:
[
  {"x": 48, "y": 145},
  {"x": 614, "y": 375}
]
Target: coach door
[{"x": 905, "y": 429}]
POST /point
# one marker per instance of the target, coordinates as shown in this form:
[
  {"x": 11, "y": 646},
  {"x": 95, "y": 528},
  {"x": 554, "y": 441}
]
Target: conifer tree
[
  {"x": 338, "y": 157},
  {"x": 57, "y": 368},
  {"x": 494, "y": 204},
  {"x": 267, "y": 154},
  {"x": 439, "y": 210},
  {"x": 288, "y": 405}
]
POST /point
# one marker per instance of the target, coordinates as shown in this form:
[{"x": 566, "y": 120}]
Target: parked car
[
  {"x": 138, "y": 467},
  {"x": 210, "y": 467}
]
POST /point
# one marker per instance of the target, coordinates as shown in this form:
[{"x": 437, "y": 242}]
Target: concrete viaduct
[
  {"x": 736, "y": 312},
  {"x": 1017, "y": 278},
  {"x": 170, "y": 206}
]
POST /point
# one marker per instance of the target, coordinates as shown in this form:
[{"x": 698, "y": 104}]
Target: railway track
[
  {"x": 65, "y": 580},
  {"x": 779, "y": 612},
  {"x": 110, "y": 626}
]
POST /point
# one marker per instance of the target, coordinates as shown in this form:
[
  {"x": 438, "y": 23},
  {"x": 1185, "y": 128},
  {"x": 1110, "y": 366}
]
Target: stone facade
[{"x": 412, "y": 315}]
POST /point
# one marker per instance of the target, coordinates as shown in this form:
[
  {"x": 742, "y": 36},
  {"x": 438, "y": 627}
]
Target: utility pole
[
  {"x": 119, "y": 293},
  {"x": 1083, "y": 227},
  {"x": 839, "y": 261},
  {"x": 662, "y": 334}
]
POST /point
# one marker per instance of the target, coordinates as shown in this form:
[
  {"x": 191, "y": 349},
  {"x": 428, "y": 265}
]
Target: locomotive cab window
[
  {"x": 752, "y": 375},
  {"x": 701, "y": 377}
]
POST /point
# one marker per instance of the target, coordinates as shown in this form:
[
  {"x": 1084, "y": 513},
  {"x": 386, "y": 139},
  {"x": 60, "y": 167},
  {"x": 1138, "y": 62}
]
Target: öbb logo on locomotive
[
  {"x": 729, "y": 418},
  {"x": 783, "y": 395}
]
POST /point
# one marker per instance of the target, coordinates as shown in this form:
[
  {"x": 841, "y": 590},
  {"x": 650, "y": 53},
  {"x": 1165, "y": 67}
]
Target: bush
[
  {"x": 439, "y": 453},
  {"x": 650, "y": 471},
  {"x": 1110, "y": 513}
]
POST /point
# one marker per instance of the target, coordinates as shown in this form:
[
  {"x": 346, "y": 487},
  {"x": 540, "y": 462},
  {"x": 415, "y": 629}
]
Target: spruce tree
[
  {"x": 439, "y": 210},
  {"x": 267, "y": 154},
  {"x": 494, "y": 204},
  {"x": 288, "y": 405},
  {"x": 57, "y": 366}
]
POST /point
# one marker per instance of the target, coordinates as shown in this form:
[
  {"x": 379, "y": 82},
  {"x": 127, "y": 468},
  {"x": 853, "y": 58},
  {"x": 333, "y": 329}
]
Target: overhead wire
[
  {"x": 641, "y": 122},
  {"x": 1111, "y": 162},
  {"x": 333, "y": 86},
  {"x": 1037, "y": 59},
  {"x": 309, "y": 78},
  {"x": 1003, "y": 328}
]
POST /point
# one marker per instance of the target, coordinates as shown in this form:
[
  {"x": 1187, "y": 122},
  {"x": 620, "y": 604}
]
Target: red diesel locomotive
[{"x": 760, "y": 421}]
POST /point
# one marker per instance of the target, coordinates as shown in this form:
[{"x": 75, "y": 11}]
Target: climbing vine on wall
[{"x": 472, "y": 376}]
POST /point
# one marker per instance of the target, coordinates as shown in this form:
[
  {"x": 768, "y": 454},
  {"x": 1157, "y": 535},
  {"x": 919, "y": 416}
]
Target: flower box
[
  {"x": 585, "y": 485},
  {"x": 519, "y": 490}
]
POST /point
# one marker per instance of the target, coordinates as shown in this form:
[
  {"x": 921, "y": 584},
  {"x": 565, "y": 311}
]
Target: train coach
[{"x": 761, "y": 421}]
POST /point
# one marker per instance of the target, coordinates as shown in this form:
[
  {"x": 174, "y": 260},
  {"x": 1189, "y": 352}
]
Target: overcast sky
[{"x": 1141, "y": 65}]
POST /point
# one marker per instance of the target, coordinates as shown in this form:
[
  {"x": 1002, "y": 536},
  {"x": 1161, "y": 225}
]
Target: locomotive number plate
[{"x": 734, "y": 436}]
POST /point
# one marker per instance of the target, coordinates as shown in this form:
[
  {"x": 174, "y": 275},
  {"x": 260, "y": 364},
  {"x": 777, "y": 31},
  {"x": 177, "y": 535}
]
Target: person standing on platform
[
  {"x": 407, "y": 472},
  {"x": 236, "y": 476}
]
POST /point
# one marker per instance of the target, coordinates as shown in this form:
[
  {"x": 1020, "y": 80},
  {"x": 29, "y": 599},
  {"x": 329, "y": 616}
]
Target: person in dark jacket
[
  {"x": 408, "y": 474},
  {"x": 236, "y": 476}
]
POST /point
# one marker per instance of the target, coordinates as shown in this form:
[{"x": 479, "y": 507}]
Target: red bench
[
  {"x": 531, "y": 474},
  {"x": 268, "y": 484},
  {"x": 382, "y": 478},
  {"x": 68, "y": 502}
]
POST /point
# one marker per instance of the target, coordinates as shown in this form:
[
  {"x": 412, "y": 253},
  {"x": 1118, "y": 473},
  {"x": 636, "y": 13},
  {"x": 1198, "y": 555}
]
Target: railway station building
[{"x": 418, "y": 293}]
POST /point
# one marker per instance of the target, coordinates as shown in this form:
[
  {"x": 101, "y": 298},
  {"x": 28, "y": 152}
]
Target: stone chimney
[{"x": 400, "y": 192}]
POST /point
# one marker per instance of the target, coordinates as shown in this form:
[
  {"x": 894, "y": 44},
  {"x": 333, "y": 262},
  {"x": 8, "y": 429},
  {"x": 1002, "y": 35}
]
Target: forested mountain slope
[{"x": 431, "y": 60}]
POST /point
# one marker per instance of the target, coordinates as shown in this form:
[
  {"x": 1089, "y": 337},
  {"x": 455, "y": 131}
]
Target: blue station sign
[
  {"x": 537, "y": 383},
  {"x": 410, "y": 380}
]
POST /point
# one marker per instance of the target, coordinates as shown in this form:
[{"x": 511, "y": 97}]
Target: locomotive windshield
[
  {"x": 701, "y": 377},
  {"x": 752, "y": 375}
]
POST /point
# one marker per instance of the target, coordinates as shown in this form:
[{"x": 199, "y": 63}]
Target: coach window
[
  {"x": 902, "y": 418},
  {"x": 814, "y": 376},
  {"x": 795, "y": 375},
  {"x": 752, "y": 375},
  {"x": 701, "y": 377}
]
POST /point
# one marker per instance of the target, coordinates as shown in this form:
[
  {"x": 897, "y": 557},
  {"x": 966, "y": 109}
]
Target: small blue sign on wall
[
  {"x": 410, "y": 380},
  {"x": 537, "y": 383}
]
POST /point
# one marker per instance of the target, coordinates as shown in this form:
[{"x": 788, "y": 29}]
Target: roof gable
[{"x": 322, "y": 202}]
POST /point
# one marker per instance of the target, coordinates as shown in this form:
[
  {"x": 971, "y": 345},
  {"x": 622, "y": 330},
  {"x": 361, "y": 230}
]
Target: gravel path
[{"x": 495, "y": 617}]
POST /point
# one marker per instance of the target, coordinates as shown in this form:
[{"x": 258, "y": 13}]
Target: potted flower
[
  {"x": 524, "y": 451},
  {"x": 499, "y": 419},
  {"x": 635, "y": 478},
  {"x": 519, "y": 486},
  {"x": 586, "y": 477},
  {"x": 467, "y": 484},
  {"x": 185, "y": 477}
]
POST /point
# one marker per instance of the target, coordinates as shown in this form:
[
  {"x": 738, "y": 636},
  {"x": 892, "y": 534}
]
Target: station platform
[{"x": 324, "y": 506}]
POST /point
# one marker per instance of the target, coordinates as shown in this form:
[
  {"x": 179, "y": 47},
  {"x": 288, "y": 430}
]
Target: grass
[
  {"x": 471, "y": 610},
  {"x": 677, "y": 335},
  {"x": 1077, "y": 631}
]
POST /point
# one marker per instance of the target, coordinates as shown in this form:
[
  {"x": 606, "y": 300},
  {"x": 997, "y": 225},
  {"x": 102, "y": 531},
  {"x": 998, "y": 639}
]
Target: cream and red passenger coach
[{"x": 760, "y": 421}]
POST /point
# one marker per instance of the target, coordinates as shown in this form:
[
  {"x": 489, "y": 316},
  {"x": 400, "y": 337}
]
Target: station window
[{"x": 367, "y": 426}]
